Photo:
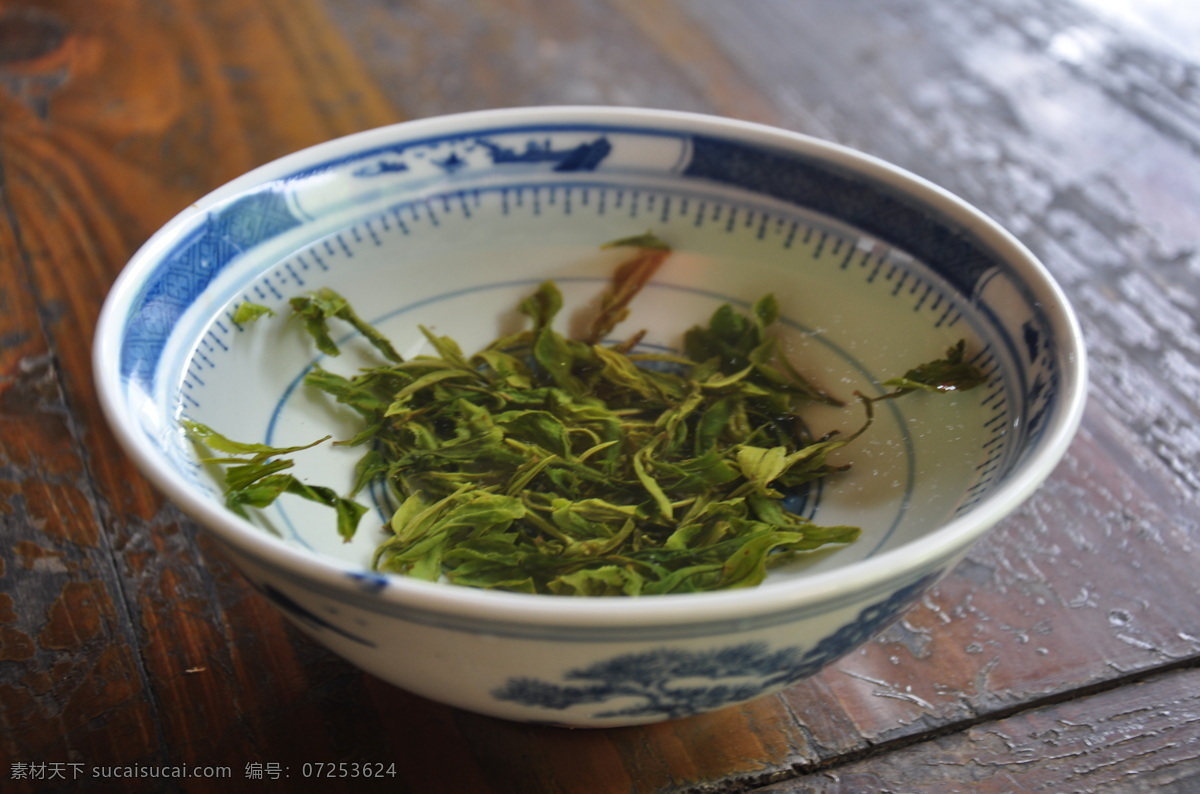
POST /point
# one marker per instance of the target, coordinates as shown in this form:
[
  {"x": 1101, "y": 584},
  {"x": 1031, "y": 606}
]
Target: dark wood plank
[
  {"x": 131, "y": 641},
  {"x": 68, "y": 658},
  {"x": 1139, "y": 738}
]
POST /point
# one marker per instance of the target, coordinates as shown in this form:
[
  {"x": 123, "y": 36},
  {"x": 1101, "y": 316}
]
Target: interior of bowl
[{"x": 449, "y": 227}]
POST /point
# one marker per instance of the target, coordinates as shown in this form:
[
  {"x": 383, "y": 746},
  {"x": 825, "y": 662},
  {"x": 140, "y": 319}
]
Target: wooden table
[{"x": 1061, "y": 656}]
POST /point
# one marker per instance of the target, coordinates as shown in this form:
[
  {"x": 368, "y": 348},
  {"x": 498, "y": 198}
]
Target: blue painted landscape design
[{"x": 670, "y": 683}]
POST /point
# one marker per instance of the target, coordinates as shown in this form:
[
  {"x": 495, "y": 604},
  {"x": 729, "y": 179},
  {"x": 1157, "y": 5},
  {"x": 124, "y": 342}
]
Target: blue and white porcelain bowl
[{"x": 448, "y": 222}]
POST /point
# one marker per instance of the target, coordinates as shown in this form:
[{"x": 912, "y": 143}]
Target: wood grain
[
  {"x": 134, "y": 639},
  {"x": 1139, "y": 738},
  {"x": 1058, "y": 656}
]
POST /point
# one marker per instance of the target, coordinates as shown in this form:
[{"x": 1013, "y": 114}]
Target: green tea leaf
[
  {"x": 761, "y": 466},
  {"x": 627, "y": 281},
  {"x": 317, "y": 308},
  {"x": 543, "y": 305},
  {"x": 248, "y": 311},
  {"x": 206, "y": 436},
  {"x": 253, "y": 478},
  {"x": 951, "y": 373},
  {"x": 747, "y": 566},
  {"x": 606, "y": 580},
  {"x": 650, "y": 484},
  {"x": 765, "y": 311},
  {"x": 556, "y": 357}
]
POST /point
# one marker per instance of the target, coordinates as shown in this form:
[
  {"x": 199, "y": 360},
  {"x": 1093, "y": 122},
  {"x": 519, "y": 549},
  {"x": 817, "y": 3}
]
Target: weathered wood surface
[
  {"x": 1140, "y": 737},
  {"x": 1058, "y": 657}
]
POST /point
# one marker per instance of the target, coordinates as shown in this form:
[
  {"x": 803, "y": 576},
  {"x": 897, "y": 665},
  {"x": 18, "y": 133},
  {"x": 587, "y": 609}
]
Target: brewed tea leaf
[
  {"x": 317, "y": 308},
  {"x": 951, "y": 373},
  {"x": 248, "y": 311},
  {"x": 546, "y": 464}
]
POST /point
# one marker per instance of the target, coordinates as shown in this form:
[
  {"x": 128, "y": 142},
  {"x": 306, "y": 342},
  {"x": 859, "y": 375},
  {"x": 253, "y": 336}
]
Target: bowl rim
[{"x": 888, "y": 570}]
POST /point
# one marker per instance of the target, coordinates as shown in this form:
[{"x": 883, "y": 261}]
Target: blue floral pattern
[
  {"x": 670, "y": 683},
  {"x": 173, "y": 287}
]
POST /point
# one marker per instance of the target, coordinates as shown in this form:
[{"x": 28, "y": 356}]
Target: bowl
[{"x": 448, "y": 223}]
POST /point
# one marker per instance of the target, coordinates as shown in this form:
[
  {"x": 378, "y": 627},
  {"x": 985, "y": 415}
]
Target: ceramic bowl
[{"x": 448, "y": 222}]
